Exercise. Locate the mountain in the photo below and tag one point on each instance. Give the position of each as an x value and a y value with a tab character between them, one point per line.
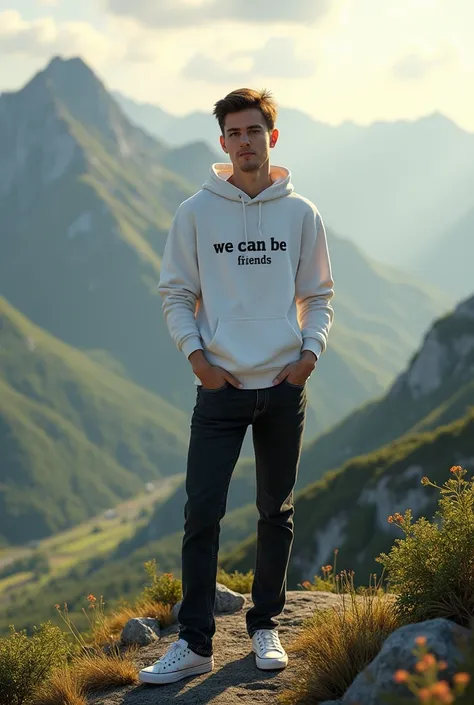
86	201
75	436
371	464
447	262
392	187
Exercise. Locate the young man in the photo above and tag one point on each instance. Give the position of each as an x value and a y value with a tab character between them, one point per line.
247	286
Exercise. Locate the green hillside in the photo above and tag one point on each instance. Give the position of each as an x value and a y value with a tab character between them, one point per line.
436	388
348	508
75	437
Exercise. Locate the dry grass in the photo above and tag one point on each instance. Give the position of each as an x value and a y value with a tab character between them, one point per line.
61	689
100	672
86	674
108	630
336	645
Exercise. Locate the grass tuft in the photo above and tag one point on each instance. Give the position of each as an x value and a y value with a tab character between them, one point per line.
101	672
61	689
337	644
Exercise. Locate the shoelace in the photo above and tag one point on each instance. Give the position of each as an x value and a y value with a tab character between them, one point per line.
177	646
270	640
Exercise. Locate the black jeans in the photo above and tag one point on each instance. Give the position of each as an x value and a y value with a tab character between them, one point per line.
219	423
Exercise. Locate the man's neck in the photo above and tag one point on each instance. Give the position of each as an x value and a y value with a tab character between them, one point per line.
252	182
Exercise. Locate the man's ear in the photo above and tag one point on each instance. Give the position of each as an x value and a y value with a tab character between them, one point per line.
274	135
222	141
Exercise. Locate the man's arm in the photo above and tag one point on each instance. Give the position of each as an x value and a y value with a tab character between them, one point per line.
179	285
314	285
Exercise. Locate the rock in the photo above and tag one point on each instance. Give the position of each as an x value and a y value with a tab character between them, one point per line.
227	602
140	631
396	653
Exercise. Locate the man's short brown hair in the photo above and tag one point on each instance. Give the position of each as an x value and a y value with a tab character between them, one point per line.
247	99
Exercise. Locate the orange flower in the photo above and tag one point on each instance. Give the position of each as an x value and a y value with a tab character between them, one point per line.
455	469
400	676
390	519
420	641
424	695
461	679
430	660
442	665
306	584
397	516
91	598
442	691
425	480
57	607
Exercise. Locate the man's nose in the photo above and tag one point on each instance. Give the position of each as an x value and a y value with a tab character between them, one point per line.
244	138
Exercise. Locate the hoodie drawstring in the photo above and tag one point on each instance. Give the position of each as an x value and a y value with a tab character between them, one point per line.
259	227
245	221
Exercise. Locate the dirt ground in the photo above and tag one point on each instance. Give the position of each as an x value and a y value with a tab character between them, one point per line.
235	678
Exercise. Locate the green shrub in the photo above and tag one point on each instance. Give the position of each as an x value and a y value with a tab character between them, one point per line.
238	582
164	588
26	662
431	570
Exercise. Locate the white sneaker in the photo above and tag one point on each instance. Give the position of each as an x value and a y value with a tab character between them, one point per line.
178	662
269	653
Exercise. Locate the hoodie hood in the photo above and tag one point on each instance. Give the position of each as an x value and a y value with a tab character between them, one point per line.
219	184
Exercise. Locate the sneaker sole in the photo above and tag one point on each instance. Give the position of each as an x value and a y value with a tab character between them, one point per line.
271	664
174	676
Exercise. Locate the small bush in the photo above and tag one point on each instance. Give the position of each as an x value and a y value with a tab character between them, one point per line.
239	582
335	645
164	588
26	662
432	569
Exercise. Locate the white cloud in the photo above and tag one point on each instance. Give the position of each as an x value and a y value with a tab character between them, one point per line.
188	13
420	62
43	36
279	57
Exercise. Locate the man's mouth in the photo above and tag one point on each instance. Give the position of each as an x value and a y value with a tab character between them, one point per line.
247	154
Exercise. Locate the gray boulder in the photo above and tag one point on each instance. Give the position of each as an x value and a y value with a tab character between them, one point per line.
140	631
443	640
227	602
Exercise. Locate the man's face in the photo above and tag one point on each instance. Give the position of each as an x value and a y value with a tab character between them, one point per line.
247	140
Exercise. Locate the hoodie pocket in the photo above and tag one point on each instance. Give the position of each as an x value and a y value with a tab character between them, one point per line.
244	344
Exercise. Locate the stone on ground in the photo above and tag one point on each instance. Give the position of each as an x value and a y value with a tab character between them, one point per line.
140	631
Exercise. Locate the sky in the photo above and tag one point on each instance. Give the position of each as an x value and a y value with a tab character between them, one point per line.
337	60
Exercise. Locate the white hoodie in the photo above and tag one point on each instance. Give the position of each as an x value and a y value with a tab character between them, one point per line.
247	280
